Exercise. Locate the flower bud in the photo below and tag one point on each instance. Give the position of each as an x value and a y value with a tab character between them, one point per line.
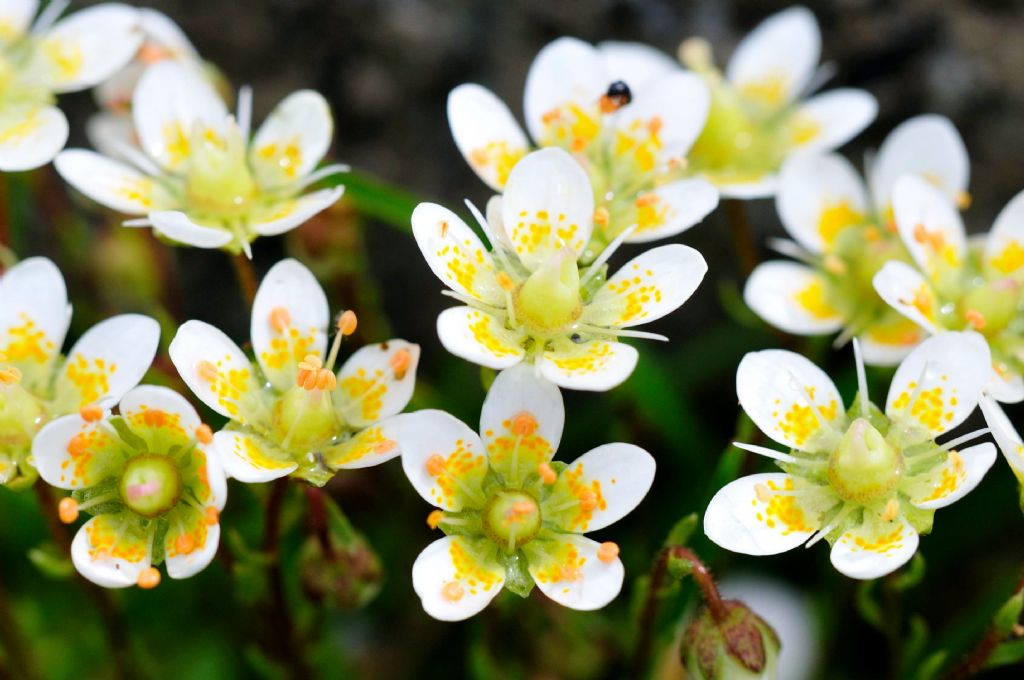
741	646
347	578
549	301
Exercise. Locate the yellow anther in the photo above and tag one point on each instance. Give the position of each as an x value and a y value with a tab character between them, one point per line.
67	510
207	371
608	552
434	519
90	413
453	591
9	375
975	319
601	216
280	319
763	493
435	465
547	473
204	434
524	424
506	282
400	362
892	509
347	322
211	516
963	200
312	375
149	578
185	543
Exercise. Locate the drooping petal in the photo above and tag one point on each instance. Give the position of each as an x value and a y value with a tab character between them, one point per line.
793	297
875	548
595	365
479	337
568	569
215	369
287	215
34	318
765	514
190	544
790	399
954	479
929	225
827	121
775	62
71	453
179	227
818	197
521	422
1005	434
634	63
565	79
443	458
548	205
938	385
454	253
110	359
251	459
160	416
1004	246
88	46
292	140
663	121
111	183
909	293
928	146
599	488
672	209
31	136
373	445
111	551
172	103
289	321
377	382
486	133
647	287
456	577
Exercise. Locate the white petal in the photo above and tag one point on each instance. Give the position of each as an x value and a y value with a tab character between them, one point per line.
198	343
634	63
455	254
289	321
619	475
16	17
111	183
160	29
790	399
444	460
377	382
178	227
88	46
287	215
479	337
889	340
486	133
1005	434
372	446
70	453
215	475
676	103
738	519
1005	387
548	205
673	208
596	365
761	187
573	575
647	287
792	297
565	71
874	550
818	196
250	459
928	146
180	566
34	316
31	137
92	557
955	478
169	104
909	293
452	583
939	384
776	60
929	225
292	140
154	398
109	133
827	121
1004	247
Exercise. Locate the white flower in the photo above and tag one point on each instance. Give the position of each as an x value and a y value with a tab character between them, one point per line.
513	517
527	299
40	61
151	479
202	181
845	233
866	481
760	110
289	413
36	383
628	115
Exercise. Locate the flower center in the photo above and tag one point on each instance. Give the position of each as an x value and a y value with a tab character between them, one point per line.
219	182
864	467
991	308
511	518
549	301
151	485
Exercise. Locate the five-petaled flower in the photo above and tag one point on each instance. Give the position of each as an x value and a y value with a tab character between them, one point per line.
36	383
289	413
844	233
627	114
868	482
758	116
199	179
149	477
40	61
528	299
512	516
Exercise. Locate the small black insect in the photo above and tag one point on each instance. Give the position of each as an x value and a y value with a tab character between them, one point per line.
618	94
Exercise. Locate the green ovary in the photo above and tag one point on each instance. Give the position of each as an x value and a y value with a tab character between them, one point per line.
511	518
219	183
548	302
864	467
305	420
150	485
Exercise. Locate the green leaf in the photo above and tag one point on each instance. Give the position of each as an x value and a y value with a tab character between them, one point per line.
932	665
682	530
376	199
48	560
1009	614
867	605
1006	654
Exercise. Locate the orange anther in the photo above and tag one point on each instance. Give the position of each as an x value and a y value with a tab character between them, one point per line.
435	465
892	508
547	473
443	224
207	371
601	216
588	501
211	515
505	281
311	362
963	200
149	578
453	591
920	233
325	380
280	319
524	424
9	375
654	125
150	53
185	543
204	434
975	319
647	199
890	226
400	362
67	509
347	322
384	446
477	158
608	552
677	163
834	265
434	519
578	144
91	413
607	104
551	116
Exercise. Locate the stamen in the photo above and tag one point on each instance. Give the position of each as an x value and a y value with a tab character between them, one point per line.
892	509
601	216
605	254
524	424
67	510
608	552
862	381
244	111
347	322
434	519
90	413
547	473
588	501
400	362
963	200
204	434
207	371
975	319
211	516
312	375
778	455
280	319
435	465
827	529
9	375
453	591
149	578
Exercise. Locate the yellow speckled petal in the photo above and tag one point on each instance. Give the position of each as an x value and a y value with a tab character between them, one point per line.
292	140
954	479
597	365
111	550
443	458
479	337
252	459
34	317
875	548
486	133
160	416
793	297
456	577
374	445
1004	246
88	46
567	569
111	183
455	254
73	454
930	226
376	382
191	541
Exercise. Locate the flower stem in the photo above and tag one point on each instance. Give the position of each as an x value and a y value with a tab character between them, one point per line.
742	235
318	523
974	662
246	277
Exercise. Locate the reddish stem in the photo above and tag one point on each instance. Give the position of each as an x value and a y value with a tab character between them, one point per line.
976	659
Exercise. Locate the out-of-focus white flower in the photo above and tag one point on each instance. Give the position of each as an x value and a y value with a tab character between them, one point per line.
866	481
200	179
527	299
512	516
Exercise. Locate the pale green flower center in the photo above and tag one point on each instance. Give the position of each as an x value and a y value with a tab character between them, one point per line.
511	518
151	485
864	467
218	180
305	420
548	302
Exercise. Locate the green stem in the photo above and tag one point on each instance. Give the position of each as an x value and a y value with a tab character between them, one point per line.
974	662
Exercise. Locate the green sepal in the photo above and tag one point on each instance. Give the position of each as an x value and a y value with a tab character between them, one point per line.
128	438
1006	654
107	487
682	530
919	518
1009	614
517	573
159	538
473	528
313	470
